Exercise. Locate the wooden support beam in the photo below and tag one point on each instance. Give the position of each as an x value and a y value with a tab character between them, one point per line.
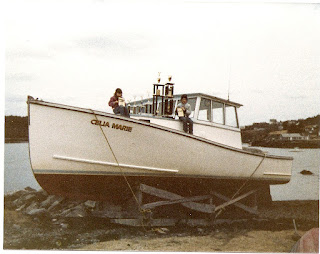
174	222
151	223
175	201
238	204
232	201
201	207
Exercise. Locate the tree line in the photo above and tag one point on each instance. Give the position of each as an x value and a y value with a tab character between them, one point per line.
16	129
260	131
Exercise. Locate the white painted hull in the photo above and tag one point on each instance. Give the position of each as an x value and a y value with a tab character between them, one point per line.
65	140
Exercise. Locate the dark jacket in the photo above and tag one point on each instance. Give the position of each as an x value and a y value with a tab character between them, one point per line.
112	102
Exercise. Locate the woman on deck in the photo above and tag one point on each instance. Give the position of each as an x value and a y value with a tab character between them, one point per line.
117	103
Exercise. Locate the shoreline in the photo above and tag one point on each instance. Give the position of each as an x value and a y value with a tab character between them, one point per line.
307	144
16	141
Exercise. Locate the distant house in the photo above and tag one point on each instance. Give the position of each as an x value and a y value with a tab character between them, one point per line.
311	129
276	135
273	121
293	136
284	135
259	129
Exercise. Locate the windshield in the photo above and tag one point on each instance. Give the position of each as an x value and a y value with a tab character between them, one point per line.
217	112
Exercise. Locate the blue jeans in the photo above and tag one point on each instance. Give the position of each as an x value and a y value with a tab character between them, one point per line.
187	124
121	110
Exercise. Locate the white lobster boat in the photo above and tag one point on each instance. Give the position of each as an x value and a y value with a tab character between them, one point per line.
89	154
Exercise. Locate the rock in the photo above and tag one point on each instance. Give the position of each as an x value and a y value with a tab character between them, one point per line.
65	212
47	202
306	172
37	212
43	192
200	230
29	197
21	208
64	225
77	212
15	226
26	196
56	204
30	189
13	196
90	204
159	230
18	202
71	204
31	207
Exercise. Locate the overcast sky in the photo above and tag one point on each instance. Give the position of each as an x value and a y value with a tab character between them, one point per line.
78	52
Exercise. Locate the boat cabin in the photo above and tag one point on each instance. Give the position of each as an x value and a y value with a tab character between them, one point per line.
214	118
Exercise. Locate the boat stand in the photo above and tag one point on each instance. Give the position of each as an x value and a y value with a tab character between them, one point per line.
145	216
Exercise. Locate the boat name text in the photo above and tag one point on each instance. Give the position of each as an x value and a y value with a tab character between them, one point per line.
112	125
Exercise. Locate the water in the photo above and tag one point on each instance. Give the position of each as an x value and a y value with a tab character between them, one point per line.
300	187
18	173
17	169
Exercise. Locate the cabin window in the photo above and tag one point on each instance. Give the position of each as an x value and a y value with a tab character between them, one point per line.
192	102
231	116
205	110
217	112
148	108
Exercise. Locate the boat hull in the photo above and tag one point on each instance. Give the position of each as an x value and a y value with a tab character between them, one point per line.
117	189
88	154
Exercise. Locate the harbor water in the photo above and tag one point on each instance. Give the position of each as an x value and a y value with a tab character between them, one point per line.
18	173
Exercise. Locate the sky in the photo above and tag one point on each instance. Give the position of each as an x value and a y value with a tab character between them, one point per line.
264	55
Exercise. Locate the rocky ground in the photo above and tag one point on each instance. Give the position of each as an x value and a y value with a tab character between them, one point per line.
35	220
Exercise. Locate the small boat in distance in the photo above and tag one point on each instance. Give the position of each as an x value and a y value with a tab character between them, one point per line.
296	149
85	154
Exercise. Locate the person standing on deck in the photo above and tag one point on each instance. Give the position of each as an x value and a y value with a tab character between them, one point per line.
184	110
117	103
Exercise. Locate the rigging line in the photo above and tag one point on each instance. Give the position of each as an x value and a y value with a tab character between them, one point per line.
265	155
237	192
229	81
135	197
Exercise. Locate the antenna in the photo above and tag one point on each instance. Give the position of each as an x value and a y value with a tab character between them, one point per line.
229	80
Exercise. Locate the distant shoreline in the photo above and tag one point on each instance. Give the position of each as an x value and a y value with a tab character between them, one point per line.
15	140
288	144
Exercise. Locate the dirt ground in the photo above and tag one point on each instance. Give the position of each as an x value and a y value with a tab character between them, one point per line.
274	233
216	241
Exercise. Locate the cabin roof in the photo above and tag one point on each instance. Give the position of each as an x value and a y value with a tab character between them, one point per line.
190	95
